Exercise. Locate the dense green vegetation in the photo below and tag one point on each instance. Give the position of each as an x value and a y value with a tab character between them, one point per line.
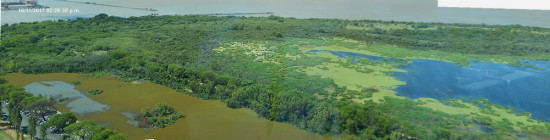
89	130
76	83
60	121
38	107
461	38
95	92
177	51
160	116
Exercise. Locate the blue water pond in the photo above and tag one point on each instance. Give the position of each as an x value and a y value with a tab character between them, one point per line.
526	89
348	54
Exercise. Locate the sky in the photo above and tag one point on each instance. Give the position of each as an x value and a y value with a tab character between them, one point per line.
497	4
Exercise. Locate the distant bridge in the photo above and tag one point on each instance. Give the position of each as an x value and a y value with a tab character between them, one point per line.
18	4
93	3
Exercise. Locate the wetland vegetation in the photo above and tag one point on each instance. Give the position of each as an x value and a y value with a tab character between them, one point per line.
95	92
160	116
264	64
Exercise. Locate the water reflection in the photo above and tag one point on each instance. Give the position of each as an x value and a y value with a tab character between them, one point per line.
77	101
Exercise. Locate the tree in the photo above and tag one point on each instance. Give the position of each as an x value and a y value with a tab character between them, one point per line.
41	108
32	126
88	130
118	136
16	97
118	54
15	119
108	134
103	135
2	81
43	128
209	76
28	101
60	121
101	16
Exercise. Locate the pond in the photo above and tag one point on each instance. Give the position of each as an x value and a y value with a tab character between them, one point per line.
523	88
348	54
204	119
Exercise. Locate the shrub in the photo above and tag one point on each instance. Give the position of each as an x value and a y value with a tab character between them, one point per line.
95	91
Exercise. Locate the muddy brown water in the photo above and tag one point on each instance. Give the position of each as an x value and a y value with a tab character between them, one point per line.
204	119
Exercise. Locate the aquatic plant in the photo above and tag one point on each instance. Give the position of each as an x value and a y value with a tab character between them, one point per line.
160	116
95	92
75	82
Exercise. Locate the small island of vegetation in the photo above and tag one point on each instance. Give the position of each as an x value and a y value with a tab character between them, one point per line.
160	116
75	82
95	91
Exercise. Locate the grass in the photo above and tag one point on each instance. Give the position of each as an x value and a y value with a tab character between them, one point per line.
355	80
5	136
474	111
258	50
